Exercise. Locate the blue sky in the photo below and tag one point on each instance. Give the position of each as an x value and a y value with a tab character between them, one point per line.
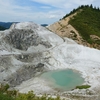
39	11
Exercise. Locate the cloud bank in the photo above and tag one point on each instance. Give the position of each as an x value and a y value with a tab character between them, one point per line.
39	11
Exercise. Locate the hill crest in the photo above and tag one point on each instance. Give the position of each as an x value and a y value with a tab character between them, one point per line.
81	25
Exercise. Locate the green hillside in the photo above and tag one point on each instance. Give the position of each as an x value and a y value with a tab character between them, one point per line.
86	22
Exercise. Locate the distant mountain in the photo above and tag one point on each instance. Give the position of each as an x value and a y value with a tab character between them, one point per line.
44	25
2	28
81	24
6	24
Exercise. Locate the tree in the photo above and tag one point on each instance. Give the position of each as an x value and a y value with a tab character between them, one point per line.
91	6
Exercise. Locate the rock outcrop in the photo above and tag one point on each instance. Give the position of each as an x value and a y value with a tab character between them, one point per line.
22	50
27	50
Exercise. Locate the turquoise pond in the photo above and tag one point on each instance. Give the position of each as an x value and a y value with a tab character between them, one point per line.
63	79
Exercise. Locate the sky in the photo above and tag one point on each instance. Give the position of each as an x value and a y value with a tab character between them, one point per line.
39	11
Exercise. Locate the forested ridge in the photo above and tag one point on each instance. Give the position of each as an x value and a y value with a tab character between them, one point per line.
86	22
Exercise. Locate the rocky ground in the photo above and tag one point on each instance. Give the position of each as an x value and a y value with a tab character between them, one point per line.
27	50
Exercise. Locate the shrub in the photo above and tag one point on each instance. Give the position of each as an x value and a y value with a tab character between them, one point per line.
83	87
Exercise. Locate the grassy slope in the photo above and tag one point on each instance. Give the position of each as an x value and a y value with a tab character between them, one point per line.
86	22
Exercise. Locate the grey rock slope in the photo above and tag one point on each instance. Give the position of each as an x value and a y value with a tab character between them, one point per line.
27	50
21	51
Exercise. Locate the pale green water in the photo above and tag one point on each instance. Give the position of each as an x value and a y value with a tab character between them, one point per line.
63	79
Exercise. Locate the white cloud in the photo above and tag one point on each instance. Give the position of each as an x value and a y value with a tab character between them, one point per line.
45	7
62	3
10	11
